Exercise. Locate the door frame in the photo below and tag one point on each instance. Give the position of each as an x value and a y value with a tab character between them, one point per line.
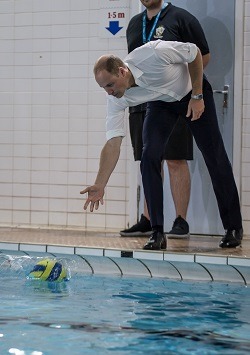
238	92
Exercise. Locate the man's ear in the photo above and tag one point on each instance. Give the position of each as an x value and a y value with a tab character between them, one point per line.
123	71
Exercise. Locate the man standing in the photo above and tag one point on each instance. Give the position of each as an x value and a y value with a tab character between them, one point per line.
169	76
170	23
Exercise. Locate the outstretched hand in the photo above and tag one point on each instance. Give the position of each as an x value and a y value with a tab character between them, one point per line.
95	196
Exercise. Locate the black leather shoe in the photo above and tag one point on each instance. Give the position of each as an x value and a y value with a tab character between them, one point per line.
232	238
157	241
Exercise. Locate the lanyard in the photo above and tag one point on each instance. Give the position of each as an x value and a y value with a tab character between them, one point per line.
144	19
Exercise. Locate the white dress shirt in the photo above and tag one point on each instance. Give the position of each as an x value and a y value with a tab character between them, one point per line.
160	70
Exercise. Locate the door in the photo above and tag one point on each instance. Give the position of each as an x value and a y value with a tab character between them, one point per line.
217	20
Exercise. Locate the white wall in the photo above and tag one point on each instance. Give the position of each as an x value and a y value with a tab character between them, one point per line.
52	117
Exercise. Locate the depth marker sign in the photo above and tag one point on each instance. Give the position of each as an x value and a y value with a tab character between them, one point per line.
113	18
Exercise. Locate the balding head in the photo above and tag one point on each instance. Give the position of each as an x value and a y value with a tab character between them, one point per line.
113	75
110	63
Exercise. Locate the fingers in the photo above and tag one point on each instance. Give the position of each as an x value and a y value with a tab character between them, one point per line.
85	206
194	113
84	191
188	111
195	109
93	205
88	201
196	116
94	199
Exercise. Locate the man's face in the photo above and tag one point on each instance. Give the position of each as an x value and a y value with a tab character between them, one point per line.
114	85
151	4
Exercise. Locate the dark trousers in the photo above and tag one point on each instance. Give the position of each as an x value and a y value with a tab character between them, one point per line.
160	120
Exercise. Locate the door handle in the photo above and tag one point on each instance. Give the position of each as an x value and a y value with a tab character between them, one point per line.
225	93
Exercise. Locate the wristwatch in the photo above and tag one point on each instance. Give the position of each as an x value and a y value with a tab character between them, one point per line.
197	97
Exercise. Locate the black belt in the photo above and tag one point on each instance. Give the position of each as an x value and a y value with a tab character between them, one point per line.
138	108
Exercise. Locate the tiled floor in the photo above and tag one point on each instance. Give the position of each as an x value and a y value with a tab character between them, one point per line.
76	238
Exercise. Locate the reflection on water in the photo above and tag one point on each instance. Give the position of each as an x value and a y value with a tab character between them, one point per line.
42	287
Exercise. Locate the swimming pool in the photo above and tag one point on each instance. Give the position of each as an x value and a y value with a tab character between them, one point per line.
93	314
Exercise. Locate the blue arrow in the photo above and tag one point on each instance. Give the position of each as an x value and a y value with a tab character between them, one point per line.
114	27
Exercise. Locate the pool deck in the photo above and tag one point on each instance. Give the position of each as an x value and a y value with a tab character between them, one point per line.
198	258
21	238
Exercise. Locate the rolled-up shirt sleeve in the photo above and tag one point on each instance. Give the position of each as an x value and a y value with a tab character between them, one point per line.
115	125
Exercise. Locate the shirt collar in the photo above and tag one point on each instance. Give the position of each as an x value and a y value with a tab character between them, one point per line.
164	11
136	72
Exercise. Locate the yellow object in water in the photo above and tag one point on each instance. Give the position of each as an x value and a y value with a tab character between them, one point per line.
48	270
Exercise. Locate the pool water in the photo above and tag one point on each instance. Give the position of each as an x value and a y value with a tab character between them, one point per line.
91	314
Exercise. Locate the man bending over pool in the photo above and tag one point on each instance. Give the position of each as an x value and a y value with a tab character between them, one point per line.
169	76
